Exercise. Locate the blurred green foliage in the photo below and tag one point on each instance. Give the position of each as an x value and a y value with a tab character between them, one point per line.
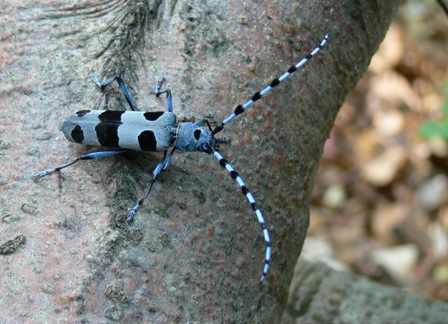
438	128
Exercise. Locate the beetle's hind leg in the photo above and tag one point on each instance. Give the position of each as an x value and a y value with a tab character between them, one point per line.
121	83
159	91
88	156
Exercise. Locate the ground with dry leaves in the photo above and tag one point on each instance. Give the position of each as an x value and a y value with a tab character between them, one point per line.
380	204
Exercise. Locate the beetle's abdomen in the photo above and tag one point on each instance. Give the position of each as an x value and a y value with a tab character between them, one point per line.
135	130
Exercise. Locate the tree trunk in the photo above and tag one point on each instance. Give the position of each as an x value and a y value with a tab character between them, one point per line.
321	295
195	250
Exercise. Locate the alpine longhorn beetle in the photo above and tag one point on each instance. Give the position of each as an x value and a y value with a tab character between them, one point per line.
159	131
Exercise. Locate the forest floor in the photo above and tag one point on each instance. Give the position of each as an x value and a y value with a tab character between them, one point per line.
380	203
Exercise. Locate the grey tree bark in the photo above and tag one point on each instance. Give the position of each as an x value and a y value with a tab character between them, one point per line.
319	294
195	250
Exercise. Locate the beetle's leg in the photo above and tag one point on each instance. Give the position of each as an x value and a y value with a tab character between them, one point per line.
159	91
123	87
162	166
89	156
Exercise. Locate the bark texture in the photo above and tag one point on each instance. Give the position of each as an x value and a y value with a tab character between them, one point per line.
321	295
195	250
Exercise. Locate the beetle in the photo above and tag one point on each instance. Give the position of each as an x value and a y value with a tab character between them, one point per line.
160	131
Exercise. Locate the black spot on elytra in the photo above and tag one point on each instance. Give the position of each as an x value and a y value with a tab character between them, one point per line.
107	128
77	134
111	116
147	141
153	115
82	113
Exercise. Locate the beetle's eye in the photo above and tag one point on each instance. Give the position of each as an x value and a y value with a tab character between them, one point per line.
197	134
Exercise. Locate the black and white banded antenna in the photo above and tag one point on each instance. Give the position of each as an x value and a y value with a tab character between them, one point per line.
258	95
250	198
234	175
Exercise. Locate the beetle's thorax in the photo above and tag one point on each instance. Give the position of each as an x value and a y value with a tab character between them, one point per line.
192	137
